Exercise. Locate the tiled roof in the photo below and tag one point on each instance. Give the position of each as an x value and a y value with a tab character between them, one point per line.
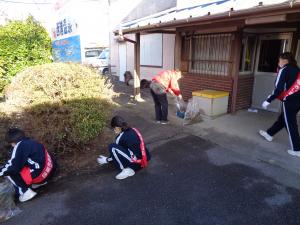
214	8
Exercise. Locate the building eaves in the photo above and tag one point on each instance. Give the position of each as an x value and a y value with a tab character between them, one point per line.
222	9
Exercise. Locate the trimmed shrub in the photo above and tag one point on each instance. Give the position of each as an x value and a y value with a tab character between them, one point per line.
3	80
63	105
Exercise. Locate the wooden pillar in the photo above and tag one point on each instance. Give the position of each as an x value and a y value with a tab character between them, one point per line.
296	37
236	55
177	51
137	66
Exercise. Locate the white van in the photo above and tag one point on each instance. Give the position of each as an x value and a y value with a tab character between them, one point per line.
90	55
102	61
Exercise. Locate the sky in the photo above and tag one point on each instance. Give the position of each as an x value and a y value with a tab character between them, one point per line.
90	15
42	10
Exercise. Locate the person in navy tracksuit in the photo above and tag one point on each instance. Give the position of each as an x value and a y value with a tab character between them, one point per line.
126	153
287	88
30	165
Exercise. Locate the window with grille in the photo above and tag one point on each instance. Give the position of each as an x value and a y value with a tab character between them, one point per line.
210	54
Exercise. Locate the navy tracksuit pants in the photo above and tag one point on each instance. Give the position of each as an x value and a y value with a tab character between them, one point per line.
288	119
121	157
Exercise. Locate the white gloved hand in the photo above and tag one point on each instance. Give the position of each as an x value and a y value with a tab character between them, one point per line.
265	104
102	159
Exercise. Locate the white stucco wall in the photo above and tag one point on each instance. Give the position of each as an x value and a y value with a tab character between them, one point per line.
168	58
118	11
146	72
114	55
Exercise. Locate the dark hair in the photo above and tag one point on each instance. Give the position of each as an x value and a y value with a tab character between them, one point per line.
289	57
14	135
145	83
118	121
127	76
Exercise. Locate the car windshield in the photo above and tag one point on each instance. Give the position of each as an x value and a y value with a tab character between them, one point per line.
92	53
104	54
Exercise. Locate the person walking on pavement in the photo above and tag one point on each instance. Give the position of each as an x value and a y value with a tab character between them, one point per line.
30	165
166	81
287	89
129	153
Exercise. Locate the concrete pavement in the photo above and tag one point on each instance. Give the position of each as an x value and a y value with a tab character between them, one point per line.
191	179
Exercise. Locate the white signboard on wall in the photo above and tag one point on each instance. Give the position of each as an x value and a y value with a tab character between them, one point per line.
151	50
64	28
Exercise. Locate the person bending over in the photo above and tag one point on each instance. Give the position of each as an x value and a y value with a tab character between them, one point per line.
129	152
166	81
30	165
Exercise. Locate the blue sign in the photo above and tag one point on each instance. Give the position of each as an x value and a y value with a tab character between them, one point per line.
67	49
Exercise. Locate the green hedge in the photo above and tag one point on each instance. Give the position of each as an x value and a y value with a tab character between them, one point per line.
22	44
3	80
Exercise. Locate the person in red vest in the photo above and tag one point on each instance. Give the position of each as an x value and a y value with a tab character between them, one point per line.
166	81
287	90
30	165
129	153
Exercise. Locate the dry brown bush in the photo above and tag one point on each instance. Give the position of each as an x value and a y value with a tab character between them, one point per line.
62	105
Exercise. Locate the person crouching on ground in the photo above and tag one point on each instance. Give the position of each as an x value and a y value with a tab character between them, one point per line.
30	165
287	90
129	152
162	83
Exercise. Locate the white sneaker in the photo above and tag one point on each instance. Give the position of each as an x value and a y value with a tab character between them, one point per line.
265	135
127	172
35	186
294	153
29	194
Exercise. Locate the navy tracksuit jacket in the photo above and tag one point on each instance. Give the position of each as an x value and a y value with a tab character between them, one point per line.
26	153
127	145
